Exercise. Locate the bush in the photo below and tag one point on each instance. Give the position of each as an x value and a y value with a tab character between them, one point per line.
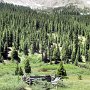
79	77
61	71
18	71
27	66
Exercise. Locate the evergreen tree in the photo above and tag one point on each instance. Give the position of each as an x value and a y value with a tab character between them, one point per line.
6	51
86	55
89	55
76	61
45	57
27	67
75	41
1	58
14	55
73	56
37	47
56	55
65	53
78	56
33	47
17	40
61	71
26	49
88	42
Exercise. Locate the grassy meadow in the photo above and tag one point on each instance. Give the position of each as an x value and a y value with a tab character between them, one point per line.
38	40
8	80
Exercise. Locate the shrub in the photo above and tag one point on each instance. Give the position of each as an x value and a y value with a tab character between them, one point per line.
79	77
61	71
27	66
18	71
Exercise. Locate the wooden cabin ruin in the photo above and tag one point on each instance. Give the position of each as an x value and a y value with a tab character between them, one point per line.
31	79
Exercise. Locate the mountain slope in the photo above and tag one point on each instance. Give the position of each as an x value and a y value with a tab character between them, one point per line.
1	1
48	3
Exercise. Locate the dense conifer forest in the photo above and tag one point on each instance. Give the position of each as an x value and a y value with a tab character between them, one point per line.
57	34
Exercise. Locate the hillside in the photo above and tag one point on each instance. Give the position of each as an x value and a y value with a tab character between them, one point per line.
43	4
53	42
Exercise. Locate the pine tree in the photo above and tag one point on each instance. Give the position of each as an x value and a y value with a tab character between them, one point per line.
5	50
56	55
14	55
17	40
27	67
45	57
86	55
88	42
65	53
26	49
73	56
89	55
42	51
33	47
78	57
76	61
37	47
1	58
61	71
75	41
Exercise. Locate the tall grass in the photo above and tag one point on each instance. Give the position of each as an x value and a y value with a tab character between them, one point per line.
8	81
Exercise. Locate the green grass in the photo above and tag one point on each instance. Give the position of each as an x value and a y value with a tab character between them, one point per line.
73	83
8	80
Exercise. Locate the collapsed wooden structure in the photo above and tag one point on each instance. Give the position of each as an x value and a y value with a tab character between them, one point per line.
31	79
47	78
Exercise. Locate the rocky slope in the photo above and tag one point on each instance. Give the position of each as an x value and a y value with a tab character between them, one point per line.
43	4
